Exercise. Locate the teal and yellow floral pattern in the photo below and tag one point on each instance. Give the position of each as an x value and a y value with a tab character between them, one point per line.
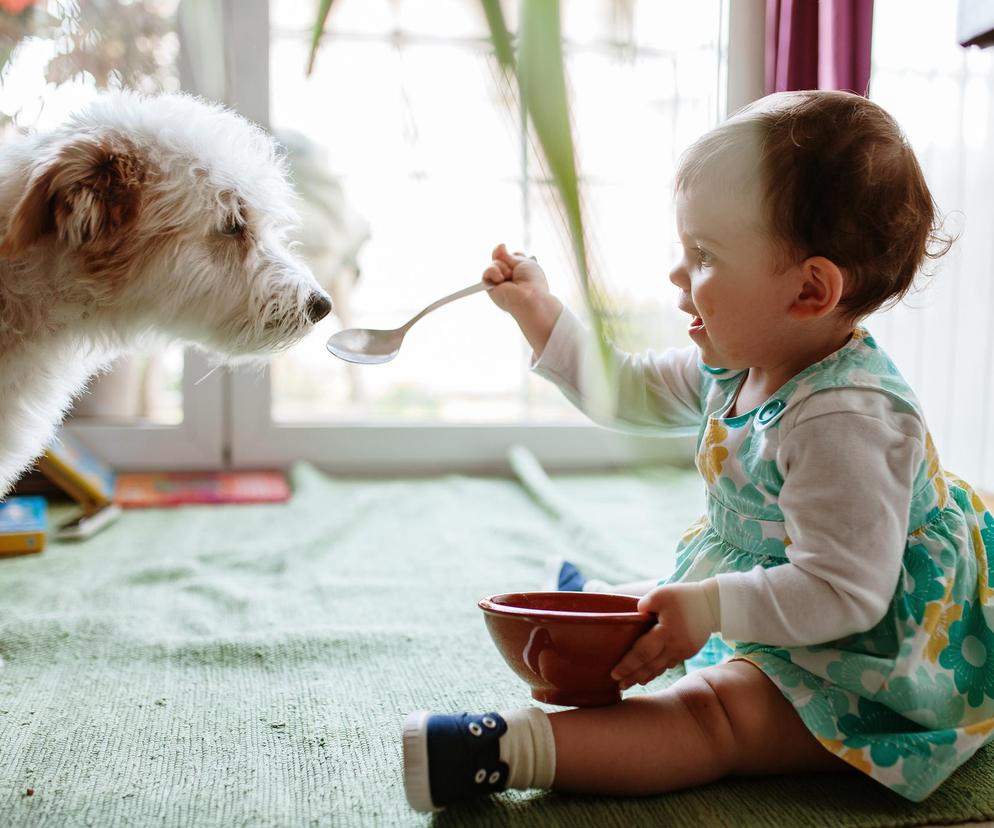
712	453
970	655
922	581
910	700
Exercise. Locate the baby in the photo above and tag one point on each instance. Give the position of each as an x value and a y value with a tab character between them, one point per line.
846	567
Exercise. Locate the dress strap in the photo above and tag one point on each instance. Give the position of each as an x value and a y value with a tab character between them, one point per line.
858	364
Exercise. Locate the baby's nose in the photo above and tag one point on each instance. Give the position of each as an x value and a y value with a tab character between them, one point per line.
678	276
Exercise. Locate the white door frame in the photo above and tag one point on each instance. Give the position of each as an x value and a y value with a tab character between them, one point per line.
353	448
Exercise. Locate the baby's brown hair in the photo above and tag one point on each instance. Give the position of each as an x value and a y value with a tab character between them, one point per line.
839	180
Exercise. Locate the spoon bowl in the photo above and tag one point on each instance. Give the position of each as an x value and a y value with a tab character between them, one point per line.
366	346
369	346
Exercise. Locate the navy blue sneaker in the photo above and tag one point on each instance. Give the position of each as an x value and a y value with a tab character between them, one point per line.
449	759
562	576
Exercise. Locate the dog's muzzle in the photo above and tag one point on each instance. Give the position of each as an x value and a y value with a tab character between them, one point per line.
318	306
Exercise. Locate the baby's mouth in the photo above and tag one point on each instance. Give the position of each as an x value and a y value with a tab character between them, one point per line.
696	324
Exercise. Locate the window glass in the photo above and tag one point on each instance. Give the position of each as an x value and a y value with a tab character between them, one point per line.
422	157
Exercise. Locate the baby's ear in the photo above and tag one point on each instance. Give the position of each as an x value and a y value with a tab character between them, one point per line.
820	287
87	191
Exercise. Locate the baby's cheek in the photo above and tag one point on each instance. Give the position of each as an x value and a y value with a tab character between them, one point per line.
705	306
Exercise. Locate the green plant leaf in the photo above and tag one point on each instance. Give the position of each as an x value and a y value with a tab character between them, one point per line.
319	25
499	35
542	81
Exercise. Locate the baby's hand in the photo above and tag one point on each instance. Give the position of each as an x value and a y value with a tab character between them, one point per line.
685	623
521	283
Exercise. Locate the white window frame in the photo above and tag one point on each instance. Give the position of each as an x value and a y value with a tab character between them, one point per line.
195	443
254	440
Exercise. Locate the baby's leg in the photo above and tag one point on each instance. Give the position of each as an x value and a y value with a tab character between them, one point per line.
724	720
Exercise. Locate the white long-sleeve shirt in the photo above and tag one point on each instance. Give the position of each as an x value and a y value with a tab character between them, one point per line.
849	458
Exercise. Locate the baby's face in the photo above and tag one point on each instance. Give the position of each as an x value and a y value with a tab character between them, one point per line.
728	279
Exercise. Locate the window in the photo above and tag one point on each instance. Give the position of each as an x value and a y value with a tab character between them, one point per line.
414	128
406	116
416	153
941	338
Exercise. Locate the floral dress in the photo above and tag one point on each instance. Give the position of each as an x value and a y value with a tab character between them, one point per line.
910	700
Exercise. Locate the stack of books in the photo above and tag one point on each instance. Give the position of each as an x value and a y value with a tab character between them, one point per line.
86	479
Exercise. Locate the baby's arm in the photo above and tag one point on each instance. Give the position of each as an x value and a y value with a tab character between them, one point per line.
654	390
849	464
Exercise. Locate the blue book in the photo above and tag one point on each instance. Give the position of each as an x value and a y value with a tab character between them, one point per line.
23	525
78	472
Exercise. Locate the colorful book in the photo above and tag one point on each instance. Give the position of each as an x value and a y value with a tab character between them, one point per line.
136	490
23	525
78	472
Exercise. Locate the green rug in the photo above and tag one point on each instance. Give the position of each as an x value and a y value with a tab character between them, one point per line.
251	665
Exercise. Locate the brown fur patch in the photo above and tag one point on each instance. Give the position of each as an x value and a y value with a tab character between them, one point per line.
105	266
32	218
89	192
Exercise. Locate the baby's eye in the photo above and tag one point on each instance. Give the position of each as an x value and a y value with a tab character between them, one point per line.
704	259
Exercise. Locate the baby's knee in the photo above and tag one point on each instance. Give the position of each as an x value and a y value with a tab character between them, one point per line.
701	696
751	708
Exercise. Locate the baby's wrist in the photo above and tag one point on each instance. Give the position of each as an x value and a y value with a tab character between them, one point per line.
703	607
534	306
537	318
713	598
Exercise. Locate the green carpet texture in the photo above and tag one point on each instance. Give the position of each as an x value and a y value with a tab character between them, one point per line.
251	665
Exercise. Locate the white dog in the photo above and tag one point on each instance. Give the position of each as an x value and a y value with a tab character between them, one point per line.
142	215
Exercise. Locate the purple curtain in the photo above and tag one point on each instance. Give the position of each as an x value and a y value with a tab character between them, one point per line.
818	44
975	23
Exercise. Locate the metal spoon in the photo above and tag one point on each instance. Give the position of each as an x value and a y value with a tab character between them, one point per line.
367	346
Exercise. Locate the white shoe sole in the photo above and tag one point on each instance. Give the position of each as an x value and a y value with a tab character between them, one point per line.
416	783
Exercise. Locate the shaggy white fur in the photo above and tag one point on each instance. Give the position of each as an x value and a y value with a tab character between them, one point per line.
140	217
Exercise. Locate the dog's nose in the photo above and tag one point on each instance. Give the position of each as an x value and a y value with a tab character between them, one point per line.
318	307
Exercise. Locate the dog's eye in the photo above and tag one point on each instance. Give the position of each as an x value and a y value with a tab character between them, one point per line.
233	228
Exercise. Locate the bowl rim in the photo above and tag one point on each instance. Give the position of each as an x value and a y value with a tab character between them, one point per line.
488	606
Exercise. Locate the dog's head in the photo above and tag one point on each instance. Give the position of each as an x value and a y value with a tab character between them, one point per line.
168	213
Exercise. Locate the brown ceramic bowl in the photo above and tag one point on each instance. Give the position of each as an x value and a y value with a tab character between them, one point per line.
564	644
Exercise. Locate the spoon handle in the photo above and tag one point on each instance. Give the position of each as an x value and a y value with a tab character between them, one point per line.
459	294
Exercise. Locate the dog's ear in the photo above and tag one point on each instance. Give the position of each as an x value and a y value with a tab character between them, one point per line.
86	194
